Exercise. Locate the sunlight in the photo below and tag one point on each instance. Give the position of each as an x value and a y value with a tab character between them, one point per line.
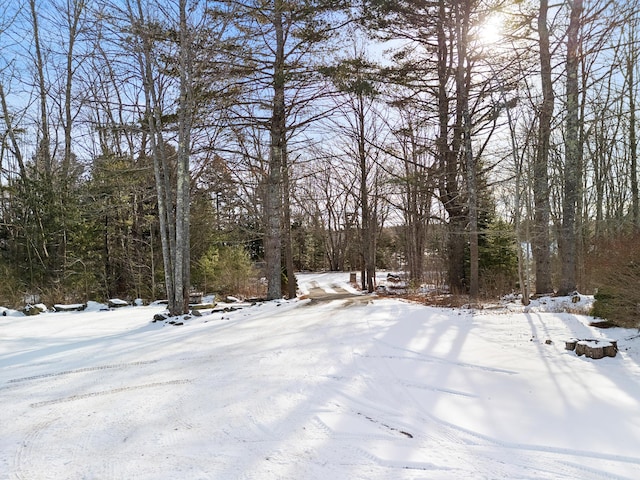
490	32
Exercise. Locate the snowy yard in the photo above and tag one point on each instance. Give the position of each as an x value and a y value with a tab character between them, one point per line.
307	389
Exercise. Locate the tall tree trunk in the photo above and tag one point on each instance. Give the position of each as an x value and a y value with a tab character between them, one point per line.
11	134
153	115
417	204
44	148
448	162
541	241
462	90
368	233
42	242
472	192
273	200
286	230
631	62
523	269
74	14
567	243
181	272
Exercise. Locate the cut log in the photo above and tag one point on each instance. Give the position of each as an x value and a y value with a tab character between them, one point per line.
117	303
76	307
595	351
202	306
581	348
611	349
593	348
33	310
195	297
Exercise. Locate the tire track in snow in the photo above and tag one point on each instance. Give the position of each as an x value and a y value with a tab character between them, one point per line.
538	459
361	427
177	421
25	450
356	426
79	370
421	357
433	431
399	465
578	467
74	398
422	386
544	462
394	388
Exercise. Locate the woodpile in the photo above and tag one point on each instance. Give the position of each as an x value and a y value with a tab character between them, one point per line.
117	303
77	307
593	348
195	298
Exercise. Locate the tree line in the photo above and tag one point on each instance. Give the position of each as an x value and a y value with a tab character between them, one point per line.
147	143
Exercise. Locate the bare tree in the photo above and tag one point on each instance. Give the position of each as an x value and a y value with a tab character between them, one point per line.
416	180
186	107
172	175
630	64
44	147
573	155
327	195
285	45
360	126
277	160
541	238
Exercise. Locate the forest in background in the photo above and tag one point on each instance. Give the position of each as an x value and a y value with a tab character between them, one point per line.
151	147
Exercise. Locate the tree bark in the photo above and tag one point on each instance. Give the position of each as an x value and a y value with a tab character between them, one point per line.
573	147
462	90
472	190
541	241
368	233
448	162
286	230
166	216
182	277
44	147
273	200
10	132
417	197
74	15
631	62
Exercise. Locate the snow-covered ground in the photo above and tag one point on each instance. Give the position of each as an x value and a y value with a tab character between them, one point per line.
341	389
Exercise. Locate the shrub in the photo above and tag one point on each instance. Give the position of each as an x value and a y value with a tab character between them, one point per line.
224	270
615	268
10	291
498	259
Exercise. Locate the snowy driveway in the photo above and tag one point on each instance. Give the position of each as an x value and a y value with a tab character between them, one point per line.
332	389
